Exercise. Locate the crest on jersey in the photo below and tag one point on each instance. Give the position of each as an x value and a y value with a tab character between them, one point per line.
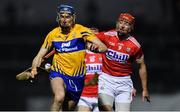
74	35
100	59
120	45
58	36
92	58
111	43
128	49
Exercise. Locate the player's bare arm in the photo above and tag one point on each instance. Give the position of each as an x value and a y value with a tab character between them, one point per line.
134	92
143	77
37	61
96	45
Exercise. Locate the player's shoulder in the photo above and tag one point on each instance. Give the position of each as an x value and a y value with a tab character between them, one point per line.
56	29
81	27
82	30
134	41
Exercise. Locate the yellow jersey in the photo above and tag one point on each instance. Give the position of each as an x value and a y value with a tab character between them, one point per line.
70	56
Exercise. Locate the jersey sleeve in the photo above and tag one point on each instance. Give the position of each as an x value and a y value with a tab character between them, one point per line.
87	34
101	36
138	53
139	56
48	41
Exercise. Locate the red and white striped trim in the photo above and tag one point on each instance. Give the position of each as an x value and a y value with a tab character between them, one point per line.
132	39
111	33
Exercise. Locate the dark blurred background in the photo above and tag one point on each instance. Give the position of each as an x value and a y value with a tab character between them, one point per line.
24	25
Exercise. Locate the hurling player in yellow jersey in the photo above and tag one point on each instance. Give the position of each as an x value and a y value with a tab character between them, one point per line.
68	66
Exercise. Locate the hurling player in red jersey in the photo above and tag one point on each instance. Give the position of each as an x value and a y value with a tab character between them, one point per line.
115	85
89	98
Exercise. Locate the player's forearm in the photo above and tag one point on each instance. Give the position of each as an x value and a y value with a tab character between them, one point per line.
101	46
36	62
143	77
144	82
38	59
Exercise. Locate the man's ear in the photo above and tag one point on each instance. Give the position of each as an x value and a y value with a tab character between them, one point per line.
57	18
74	18
132	27
117	25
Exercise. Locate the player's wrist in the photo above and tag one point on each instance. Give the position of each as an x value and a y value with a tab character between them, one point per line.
34	69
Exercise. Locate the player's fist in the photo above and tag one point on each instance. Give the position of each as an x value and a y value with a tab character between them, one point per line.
92	47
33	72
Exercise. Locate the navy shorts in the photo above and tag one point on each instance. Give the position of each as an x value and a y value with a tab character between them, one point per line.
74	84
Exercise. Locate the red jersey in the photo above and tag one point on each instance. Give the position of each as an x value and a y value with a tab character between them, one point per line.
93	65
117	61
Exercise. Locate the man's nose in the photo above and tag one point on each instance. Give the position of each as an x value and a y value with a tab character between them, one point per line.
122	27
64	20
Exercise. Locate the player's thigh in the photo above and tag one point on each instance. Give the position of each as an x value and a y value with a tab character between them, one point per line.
95	108
122	107
57	85
69	105
84	104
83	108
123	101
106	85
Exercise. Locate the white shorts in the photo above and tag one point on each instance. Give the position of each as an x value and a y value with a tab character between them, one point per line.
91	102
120	88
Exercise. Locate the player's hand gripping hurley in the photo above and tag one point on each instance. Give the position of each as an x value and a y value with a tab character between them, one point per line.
25	75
